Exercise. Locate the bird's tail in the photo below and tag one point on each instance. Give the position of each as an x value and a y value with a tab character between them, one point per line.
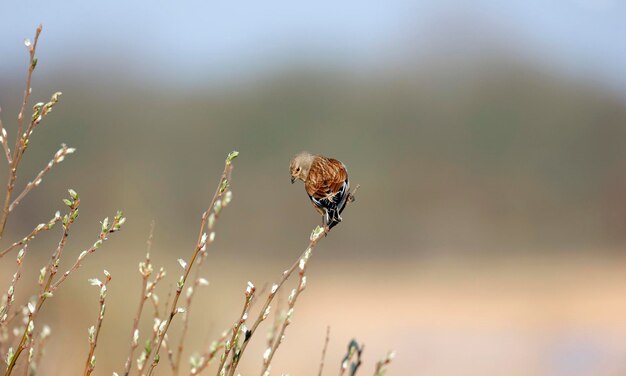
332	218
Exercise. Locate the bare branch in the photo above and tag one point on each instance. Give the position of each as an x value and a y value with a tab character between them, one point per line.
59	156
40	228
324	350
94	331
209	217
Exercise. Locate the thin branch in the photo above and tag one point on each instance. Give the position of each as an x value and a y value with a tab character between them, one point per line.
212	350
31	67
118	221
381	365
293	297
232	344
40	228
191	290
324	350
4	311
214	209
20	125
301	263
49	287
39	350
48	271
94	332
145	269
314	239
5	143
59	156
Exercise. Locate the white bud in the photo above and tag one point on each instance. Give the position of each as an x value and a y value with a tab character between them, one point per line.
162	326
45	331
182	263
135	337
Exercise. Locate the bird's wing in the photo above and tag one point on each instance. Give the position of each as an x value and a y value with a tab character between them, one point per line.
327	177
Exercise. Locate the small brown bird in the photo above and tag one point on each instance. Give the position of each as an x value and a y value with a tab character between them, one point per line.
326	183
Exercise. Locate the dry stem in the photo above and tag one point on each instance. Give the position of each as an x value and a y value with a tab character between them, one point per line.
93	337
145	269
324	350
40	228
48	288
18	138
293	297
201	245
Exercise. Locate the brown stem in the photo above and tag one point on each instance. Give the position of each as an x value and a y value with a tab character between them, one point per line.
302	263
142	300
30	236
262	315
89	364
324	350
18	138
200	244
234	339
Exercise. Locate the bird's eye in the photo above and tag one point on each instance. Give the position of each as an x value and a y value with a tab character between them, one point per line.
298	169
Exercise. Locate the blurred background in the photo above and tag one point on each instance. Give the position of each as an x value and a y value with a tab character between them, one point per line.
488	137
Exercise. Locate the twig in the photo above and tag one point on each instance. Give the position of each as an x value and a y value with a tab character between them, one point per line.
278	317
191	290
233	343
4	311
324	350
49	271
291	301
49	287
265	310
199	364
59	156
214	208
145	269
40	227
37	351
118	221
94	332
20	125
382	364
314	239
5	144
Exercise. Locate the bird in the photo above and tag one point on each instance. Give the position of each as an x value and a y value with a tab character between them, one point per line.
326	182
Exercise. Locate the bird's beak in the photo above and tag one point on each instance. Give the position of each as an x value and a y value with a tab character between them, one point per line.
293	179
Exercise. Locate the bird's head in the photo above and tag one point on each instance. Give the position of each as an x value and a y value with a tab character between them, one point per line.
300	166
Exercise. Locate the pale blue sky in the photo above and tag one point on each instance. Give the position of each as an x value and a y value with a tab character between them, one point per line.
180	41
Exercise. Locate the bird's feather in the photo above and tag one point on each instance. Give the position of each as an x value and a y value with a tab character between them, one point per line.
326	177
327	186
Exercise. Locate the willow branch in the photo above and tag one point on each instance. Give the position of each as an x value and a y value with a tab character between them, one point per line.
213	209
